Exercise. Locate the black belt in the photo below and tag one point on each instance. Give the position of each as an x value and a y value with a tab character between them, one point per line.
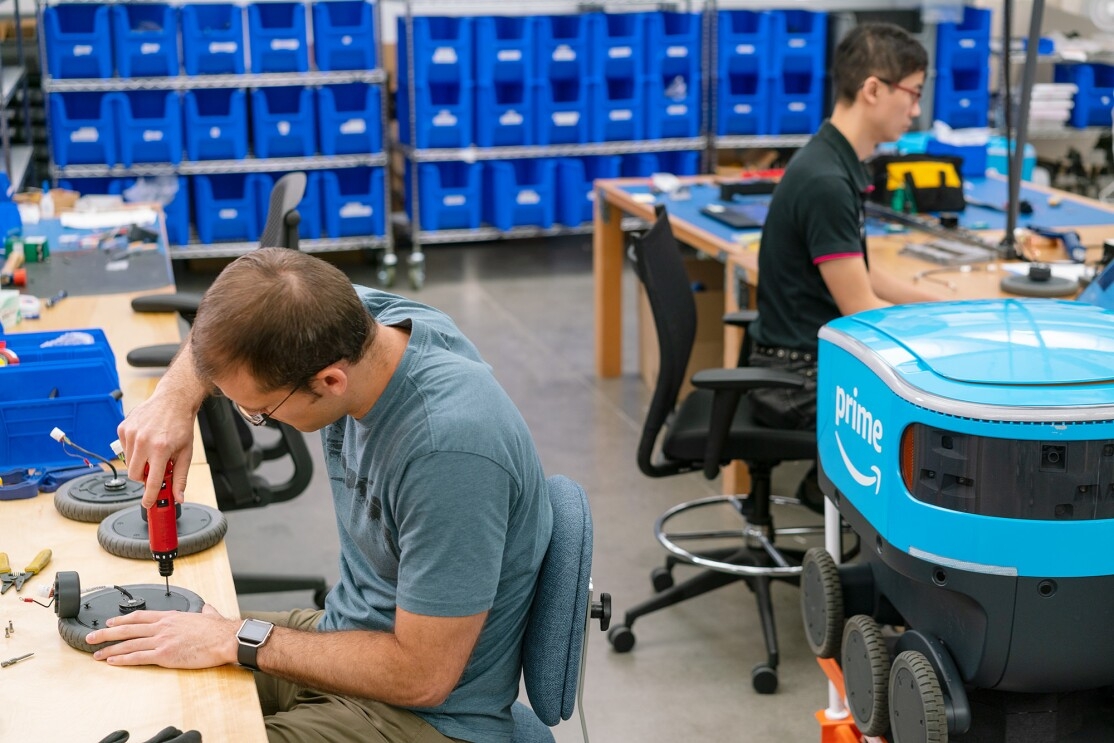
789	354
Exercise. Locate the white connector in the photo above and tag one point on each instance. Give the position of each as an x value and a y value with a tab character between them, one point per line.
58	435
117	448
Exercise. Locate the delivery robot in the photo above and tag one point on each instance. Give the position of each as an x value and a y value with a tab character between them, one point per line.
970	446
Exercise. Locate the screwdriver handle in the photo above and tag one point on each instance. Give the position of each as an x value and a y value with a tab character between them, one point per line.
41	561
4	567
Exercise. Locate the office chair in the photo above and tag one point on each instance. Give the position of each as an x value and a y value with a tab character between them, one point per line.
231	449
711	427
555	643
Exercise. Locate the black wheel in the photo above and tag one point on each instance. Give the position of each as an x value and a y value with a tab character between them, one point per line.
621	638
917	711
124	533
866	674
662	579
764	679
91	498
821	603
67	594
99	606
319	597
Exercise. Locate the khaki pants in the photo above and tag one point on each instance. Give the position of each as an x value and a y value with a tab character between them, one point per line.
296	714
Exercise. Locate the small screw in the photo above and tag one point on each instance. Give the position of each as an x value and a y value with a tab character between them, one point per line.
13	661
94	622
7	633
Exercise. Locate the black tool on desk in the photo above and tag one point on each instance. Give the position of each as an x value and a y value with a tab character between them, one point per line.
739	216
1023	206
728	190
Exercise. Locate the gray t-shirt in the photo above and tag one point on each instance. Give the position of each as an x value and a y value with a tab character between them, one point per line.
442	510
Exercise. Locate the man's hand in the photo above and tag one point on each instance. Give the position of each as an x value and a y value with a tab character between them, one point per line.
171	639
157	430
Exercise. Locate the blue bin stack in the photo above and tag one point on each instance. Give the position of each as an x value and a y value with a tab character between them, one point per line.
745	51
575	194
673	101
83	128
353	202
213	39
449	197
277	35
1095	97
150	127
618	76
520	193
227	206
78	41
800	40
349	119
344	35
963	70
505	77
443	82
563	85
146	40
283	122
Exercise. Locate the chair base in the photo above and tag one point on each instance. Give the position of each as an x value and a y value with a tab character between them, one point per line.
257	583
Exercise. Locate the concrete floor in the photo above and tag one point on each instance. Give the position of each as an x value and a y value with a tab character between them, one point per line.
528	307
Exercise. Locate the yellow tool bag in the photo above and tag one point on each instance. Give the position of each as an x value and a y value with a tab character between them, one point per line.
918	183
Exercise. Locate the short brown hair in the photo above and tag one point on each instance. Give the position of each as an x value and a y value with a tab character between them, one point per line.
880	49
283	316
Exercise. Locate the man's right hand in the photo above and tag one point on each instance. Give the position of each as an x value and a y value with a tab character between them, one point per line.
156	431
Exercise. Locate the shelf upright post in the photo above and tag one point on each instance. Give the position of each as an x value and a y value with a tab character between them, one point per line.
709	84
389	257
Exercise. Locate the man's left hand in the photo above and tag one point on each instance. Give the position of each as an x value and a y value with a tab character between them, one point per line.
172	639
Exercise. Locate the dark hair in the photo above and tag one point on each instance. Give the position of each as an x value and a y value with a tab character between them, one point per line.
880	49
283	316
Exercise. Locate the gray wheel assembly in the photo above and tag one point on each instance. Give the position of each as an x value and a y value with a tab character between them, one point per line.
917	711
821	603
866	674
124	533
93	497
79	615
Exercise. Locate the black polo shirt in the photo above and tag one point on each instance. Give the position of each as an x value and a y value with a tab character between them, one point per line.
816	214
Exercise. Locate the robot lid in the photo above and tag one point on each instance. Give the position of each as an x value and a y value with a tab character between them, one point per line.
1024	358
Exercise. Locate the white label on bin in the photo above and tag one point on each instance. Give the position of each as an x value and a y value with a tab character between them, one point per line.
82	50
85	134
619	52
355	209
742	108
797	107
444	55
624	114
353	126
152	135
285	45
283	128
346	40
677	51
677	109
214	132
964	102
967	43
564	53
444	118
744	49
797	43
509	55
566	118
223	47
149	48
453	200
228	214
510	118
528	196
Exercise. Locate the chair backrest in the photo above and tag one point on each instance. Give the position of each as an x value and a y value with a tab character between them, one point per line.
286	194
552	649
661	269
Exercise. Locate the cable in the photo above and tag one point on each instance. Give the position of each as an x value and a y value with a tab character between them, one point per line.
60	436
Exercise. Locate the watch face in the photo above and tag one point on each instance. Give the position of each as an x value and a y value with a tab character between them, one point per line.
254	631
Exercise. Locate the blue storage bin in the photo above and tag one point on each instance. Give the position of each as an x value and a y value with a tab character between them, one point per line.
576	195
309	208
443	115
83	128
520	193
150	127
673	106
72	370
502	49
974	156
957	105
344	35
745	39
618	45
686	162
442	50
618	109
800	42
146	40
216	123
964	45
743	103
88	419
451	195
561	111
349	119
277	35
227	206
98	186
282	122
1095	96
504	114
563	47
213	39
797	114
78	41
638	165
353	202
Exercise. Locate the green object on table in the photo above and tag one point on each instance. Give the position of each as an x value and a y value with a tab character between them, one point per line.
36	248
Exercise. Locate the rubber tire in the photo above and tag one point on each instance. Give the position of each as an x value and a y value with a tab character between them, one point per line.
915	688
67	594
92	512
621	638
73	631
866	674
140	549
822	603
661	579
763	679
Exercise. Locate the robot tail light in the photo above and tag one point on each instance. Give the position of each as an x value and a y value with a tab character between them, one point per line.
908	452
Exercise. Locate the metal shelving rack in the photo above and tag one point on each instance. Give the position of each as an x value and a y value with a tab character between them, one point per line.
251	164
17	158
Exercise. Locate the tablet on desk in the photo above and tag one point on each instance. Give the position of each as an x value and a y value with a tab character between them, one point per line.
739	216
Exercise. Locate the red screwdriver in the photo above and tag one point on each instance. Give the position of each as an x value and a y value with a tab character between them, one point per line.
162	525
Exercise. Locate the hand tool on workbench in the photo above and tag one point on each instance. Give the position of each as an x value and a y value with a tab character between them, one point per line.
18	579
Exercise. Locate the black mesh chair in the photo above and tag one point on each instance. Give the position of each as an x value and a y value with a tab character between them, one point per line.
709	428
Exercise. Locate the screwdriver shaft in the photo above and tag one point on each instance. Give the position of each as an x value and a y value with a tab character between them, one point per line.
13	661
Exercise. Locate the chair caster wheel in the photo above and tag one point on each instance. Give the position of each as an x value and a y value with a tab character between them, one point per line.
764	679
621	638
662	579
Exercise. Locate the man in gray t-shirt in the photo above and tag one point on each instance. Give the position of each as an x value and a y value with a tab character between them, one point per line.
439	496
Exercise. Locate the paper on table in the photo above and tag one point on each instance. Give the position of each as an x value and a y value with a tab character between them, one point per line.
1070	271
105	220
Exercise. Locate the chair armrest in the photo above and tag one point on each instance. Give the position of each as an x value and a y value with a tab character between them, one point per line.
183	302
151	356
740	319
747	378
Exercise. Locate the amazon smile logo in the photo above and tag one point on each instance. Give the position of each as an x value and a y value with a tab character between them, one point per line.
850	413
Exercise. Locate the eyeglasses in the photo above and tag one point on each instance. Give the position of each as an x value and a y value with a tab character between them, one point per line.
260	419
911	91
